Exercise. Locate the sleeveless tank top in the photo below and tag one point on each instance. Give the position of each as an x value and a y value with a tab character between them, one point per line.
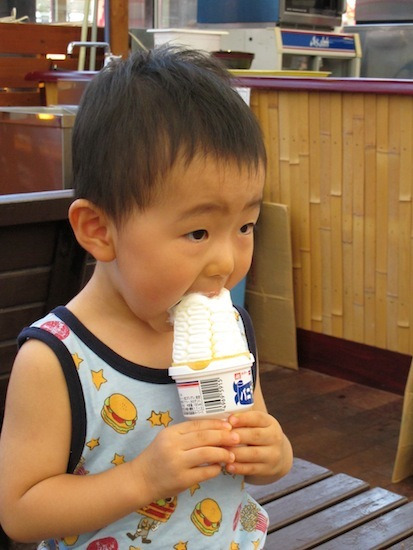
117	409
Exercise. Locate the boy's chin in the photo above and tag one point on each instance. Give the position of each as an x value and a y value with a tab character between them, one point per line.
161	323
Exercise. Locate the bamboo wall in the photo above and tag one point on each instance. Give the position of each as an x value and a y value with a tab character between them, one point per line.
343	164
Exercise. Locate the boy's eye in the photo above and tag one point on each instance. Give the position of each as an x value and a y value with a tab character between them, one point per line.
198	235
247	228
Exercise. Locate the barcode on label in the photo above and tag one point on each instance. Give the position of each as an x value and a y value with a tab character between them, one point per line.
213	395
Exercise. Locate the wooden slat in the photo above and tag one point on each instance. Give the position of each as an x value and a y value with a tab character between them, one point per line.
404	321
329	523
40	39
336	192
4	381
301	264
67	274
312	499
24	99
314	287
302	473
8	349
35	245
14	319
371	221
396	222
325	211
378	533
405	544
34	207
26	285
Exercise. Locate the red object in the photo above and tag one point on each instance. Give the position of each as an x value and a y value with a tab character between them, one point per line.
108	543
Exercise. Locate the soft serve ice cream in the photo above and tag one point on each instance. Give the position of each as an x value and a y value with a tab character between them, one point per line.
211	363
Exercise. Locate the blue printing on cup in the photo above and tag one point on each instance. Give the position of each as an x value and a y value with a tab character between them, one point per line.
243	393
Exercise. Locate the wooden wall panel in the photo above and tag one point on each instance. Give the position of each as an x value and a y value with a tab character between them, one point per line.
343	163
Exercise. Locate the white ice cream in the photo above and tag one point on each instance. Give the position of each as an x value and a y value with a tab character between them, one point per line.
205	330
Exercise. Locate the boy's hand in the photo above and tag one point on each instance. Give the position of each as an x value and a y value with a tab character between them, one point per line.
183	455
263	451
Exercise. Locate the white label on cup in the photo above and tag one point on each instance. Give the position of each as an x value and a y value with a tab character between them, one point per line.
200	397
231	391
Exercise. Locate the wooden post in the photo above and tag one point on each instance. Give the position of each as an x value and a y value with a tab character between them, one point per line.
119	27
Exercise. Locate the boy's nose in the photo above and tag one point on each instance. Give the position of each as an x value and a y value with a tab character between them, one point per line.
221	263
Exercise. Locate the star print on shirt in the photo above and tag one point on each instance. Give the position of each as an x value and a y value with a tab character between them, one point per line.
181	546
194	488
118	459
77	360
93	443
166	418
160	418
234	546
97	378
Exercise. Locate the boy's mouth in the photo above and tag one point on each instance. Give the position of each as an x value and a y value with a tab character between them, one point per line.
211	294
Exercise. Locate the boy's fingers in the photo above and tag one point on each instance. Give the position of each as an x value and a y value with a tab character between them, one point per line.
210	455
204	433
249	419
204	424
214	438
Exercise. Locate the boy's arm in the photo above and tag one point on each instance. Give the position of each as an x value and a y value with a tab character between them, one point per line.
34	454
40	500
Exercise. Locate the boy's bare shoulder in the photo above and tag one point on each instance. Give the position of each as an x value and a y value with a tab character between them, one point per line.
37	386
34	358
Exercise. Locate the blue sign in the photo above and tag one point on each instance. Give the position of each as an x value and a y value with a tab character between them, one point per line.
237	11
318	41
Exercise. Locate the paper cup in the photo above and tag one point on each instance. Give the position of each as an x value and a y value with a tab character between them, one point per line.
220	389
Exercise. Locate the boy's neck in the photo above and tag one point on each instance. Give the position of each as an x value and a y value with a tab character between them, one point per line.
116	326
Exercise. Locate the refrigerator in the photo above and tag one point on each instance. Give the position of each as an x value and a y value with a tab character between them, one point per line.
385	28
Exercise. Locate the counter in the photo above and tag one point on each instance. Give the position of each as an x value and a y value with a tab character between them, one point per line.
36	148
340	156
59	87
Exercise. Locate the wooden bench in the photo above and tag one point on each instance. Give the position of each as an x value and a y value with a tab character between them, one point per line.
313	508
41	266
23	50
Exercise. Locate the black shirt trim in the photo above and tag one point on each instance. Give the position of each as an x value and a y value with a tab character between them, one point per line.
77	402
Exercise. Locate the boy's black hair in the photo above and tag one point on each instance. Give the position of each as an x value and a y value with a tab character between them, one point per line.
138	116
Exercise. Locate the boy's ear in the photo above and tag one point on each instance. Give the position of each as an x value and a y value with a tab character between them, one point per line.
93	229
